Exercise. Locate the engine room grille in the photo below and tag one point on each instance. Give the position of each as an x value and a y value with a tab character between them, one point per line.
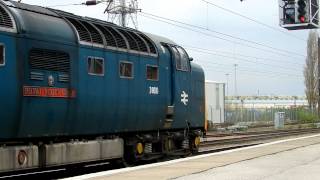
5	19
132	43
108	36
142	45
121	42
148	41
95	35
50	60
82	31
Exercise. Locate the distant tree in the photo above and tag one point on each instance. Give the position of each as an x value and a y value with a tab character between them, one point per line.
311	70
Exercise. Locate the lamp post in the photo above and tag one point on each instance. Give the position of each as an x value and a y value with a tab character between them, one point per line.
227	83
235	80
235	89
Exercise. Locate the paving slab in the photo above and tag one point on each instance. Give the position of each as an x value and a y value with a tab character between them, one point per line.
297	164
285	159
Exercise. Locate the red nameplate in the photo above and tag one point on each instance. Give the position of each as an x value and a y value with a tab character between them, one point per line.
32	91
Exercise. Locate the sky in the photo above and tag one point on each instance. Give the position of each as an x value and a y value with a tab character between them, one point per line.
269	59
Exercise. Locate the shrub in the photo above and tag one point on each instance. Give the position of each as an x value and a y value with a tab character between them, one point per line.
305	116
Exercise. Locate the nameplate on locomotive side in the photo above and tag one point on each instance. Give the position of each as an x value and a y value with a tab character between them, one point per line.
33	91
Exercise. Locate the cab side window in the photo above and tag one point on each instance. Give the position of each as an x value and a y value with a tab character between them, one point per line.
126	69
2	55
152	73
96	66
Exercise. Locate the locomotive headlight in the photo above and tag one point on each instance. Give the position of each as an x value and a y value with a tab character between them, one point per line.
139	148
197	141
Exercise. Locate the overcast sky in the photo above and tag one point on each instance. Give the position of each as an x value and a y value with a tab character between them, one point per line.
264	69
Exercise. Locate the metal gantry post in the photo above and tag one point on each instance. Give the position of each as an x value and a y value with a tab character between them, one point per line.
235	80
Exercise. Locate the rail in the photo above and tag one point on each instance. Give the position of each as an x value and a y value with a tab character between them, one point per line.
220	142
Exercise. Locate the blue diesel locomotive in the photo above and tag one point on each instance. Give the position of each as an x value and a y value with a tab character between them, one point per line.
77	89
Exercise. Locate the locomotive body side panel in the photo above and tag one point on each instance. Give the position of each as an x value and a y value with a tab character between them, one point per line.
197	112
49	94
109	103
90	94
152	95
9	91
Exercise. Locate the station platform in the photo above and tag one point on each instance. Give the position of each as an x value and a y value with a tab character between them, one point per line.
297	158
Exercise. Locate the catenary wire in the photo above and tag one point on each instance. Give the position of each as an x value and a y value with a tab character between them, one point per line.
243	55
252	20
63	5
241	59
217	37
223	34
217	68
271	72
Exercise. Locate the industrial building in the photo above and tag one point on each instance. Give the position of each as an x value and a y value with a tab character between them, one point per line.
215	101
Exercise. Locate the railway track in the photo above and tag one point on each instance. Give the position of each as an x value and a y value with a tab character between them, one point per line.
211	134
212	143
215	142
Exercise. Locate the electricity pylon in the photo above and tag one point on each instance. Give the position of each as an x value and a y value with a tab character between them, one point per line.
119	11
123	12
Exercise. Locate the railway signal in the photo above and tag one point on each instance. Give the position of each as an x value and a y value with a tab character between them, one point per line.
299	14
289	12
302	10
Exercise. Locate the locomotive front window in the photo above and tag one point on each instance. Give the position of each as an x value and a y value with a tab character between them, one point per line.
152	73
177	58
2	55
126	70
96	66
184	60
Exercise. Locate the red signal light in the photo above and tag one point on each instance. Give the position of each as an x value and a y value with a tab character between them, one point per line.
302	19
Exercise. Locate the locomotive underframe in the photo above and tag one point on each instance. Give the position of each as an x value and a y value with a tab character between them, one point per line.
124	147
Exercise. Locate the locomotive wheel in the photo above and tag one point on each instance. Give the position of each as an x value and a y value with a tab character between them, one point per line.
132	153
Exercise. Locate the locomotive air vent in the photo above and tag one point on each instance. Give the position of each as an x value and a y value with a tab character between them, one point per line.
63	77
142	45
98	33
36	76
121	42
49	60
132	43
108	36
148	41
95	35
84	34
5	19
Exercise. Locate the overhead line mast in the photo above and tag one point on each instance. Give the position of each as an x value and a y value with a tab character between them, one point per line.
119	11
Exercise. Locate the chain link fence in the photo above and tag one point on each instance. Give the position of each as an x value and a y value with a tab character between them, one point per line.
237	113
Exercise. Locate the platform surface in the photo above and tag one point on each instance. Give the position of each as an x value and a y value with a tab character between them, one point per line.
297	158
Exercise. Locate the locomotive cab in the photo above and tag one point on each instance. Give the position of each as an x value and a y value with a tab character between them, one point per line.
185	89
